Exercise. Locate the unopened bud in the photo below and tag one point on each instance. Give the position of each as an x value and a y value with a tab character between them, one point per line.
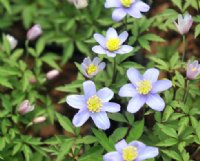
13	42
34	32
25	107
52	74
39	119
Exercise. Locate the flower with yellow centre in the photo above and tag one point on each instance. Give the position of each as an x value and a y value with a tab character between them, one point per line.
113	44
127	3
144	87
94	104
91	69
130	153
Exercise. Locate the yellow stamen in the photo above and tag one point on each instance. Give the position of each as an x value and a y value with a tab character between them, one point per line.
194	69
127	3
91	69
130	153
144	87
113	44
94	104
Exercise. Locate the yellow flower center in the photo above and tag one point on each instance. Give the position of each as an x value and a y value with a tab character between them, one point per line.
91	69
194	69
130	153
144	87
127	3
113	44
94	104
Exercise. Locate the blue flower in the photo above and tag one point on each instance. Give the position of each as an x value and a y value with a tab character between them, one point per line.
134	151
93	104
91	67
124	7
144	89
112	44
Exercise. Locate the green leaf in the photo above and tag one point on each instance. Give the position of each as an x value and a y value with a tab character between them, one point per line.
178	3
153	37
197	30
168	130
136	131
5	82
103	140
118	134
89	139
117	117
144	43
40	46
167	142
65	123
172	154
6	4
68	52
65	148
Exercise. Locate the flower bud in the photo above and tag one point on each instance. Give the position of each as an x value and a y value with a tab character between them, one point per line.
52	74
80	4
184	23
32	80
13	42
25	107
34	32
39	119
193	69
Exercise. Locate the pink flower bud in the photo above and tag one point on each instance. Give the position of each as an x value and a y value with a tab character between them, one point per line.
32	80
39	119
193	69
25	107
13	42
52	74
34	32
184	23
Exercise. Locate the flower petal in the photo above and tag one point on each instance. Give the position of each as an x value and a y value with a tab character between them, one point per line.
111	33
161	85
118	14
110	54
81	117
123	37
111	3
105	94
155	102
121	145
128	90
139	145
147	153
141	6
101	120
136	103
98	49
134	76
76	101
134	12
112	156
102	66
100	39
96	61
89	89
110	107
151	74
125	49
87	61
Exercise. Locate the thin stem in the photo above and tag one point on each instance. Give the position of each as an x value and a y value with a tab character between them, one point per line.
184	47
26	46
114	71
186	91
126	23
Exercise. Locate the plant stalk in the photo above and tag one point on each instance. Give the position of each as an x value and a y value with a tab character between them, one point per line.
184	47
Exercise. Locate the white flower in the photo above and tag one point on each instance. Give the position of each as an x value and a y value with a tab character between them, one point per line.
25	107
52	74
34	32
79	4
184	23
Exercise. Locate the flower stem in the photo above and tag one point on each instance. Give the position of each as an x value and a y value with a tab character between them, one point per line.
114	71
26	46
184	47
186	91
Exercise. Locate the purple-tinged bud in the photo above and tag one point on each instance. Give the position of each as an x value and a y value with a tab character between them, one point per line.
25	107
33	80
39	119
34	32
193	69
13	42
52	74
184	23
